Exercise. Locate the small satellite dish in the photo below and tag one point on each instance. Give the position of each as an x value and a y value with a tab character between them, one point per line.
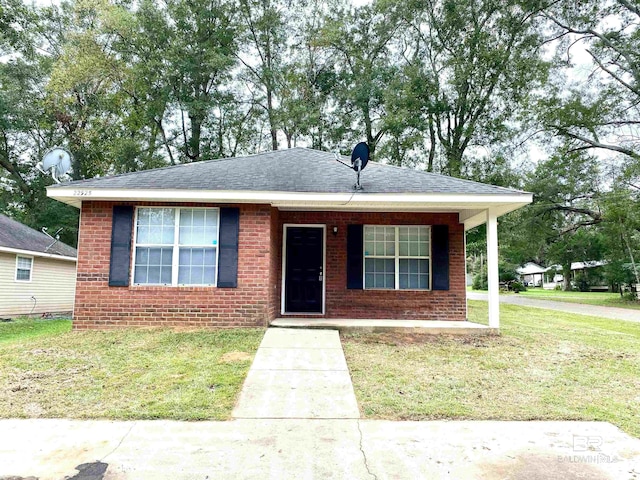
360	156
359	160
57	161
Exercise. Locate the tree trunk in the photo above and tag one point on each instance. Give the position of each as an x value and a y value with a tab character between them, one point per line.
566	273
194	141
432	149
272	120
633	262
454	160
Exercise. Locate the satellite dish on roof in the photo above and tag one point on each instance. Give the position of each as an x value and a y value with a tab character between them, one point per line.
359	160
57	161
360	156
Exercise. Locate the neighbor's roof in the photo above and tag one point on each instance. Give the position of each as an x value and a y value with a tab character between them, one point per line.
531	268
290	170
17	237
299	178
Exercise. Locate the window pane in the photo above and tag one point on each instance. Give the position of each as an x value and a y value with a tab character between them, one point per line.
24	263
414	273
197	266
198	227
379	273
198	218
413	241
23	274
155	226
153	274
153	265
379	241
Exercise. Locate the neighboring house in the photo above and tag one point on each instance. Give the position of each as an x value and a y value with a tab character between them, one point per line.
242	241
593	269
532	274
37	273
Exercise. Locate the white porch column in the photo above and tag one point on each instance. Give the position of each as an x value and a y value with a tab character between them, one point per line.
492	269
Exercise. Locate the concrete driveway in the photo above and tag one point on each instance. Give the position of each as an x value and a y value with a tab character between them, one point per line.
315	449
613	313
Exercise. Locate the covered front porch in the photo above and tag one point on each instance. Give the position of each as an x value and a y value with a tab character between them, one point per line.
325	277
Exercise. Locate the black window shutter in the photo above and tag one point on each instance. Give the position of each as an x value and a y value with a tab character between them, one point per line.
120	260
354	256
440	256
228	254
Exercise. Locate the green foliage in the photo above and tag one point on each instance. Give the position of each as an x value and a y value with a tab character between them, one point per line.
591	116
518	287
581	282
480	280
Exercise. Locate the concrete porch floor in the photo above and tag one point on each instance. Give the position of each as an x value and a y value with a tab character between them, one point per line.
431	327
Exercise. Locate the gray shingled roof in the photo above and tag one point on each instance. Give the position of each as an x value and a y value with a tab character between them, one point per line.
291	170
17	235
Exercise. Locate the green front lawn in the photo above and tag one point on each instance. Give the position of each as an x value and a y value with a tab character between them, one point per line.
604	299
545	366
46	370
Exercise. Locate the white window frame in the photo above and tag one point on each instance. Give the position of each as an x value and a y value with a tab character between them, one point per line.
397	257
175	261
27	257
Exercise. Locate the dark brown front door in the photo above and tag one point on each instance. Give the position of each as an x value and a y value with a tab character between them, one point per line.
304	277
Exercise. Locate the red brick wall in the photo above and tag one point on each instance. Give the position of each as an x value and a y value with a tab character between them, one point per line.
99	306
276	265
257	299
400	304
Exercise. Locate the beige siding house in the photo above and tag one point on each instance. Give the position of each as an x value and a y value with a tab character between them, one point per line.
37	273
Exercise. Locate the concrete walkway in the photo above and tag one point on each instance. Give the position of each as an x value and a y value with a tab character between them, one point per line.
298	373
315	449
613	313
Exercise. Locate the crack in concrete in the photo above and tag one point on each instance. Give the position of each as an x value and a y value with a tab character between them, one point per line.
364	456
120	442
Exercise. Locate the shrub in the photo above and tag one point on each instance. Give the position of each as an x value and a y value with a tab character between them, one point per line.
518	287
581	282
480	280
558	286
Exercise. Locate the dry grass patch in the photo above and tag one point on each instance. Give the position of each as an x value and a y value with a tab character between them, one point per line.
46	370
545	366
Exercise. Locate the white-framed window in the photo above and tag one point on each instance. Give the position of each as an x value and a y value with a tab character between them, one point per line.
176	246
24	266
397	257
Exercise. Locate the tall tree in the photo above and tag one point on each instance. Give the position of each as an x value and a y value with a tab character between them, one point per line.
603	112
265	40
360	40
470	65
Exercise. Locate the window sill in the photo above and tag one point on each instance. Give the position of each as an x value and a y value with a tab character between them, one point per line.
174	287
398	290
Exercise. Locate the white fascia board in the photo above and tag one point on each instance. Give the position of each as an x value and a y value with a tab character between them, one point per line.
18	251
340	201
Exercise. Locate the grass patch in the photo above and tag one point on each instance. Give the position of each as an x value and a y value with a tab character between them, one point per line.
46	370
546	365
604	299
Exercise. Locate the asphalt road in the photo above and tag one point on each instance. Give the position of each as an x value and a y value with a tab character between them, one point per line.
613	313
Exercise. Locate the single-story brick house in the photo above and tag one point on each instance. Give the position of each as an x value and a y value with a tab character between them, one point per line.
242	241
